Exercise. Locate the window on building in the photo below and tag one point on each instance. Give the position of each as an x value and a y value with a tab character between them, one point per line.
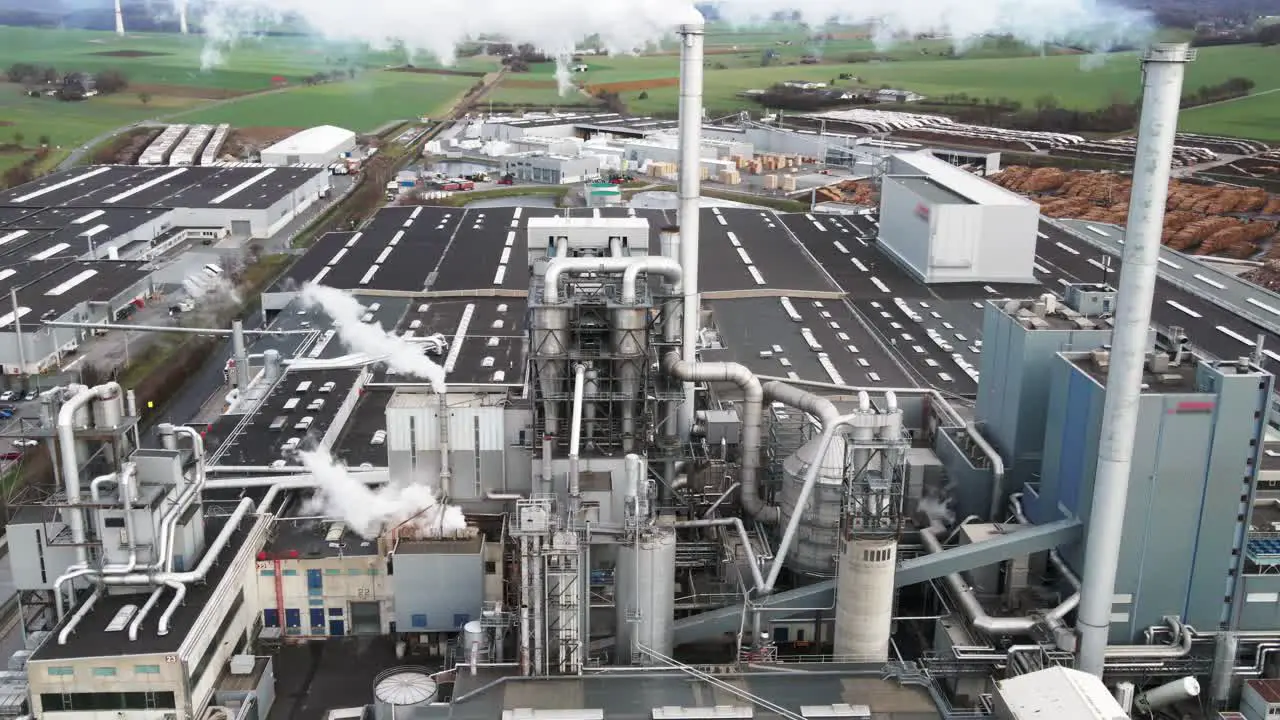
89	702
267	573
419	620
61	670
490	567
104	672
146	669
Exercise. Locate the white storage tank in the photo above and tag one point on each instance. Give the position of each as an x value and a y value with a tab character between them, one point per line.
864	598
475	640
817	542
645	595
108	412
396	692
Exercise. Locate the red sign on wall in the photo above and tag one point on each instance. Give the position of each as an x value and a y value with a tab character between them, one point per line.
922	212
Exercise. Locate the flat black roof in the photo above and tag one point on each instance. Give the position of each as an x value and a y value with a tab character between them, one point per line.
13	214
257	444
91	638
486	337
53	295
354	446
485	238
309	539
958	324
735	240
118	220
238	187
397	250
752	326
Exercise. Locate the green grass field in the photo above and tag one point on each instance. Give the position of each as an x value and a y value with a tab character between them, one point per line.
364	104
1257	117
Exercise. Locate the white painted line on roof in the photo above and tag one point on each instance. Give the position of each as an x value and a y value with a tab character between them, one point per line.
7	273
369	275
62	287
807	216
1100	266
145	186
746	259
511	239
7	320
1064	281
59	186
1209	281
515	215
337	257
500	275
1233	334
721	219
416	211
96	229
382	256
715	211
407	223
1273	356
840	246
6	239
459	336
820	226
1262	305
506	256
755	274
1042	236
396	238
733	239
1170	263
1068	248
1040	268
320	275
1183	308
354	239
876	281
858	264
990	290
241	187
86	218
50	252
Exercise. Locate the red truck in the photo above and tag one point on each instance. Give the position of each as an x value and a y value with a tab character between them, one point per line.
456	184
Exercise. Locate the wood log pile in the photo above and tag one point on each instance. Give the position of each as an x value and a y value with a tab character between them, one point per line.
852	192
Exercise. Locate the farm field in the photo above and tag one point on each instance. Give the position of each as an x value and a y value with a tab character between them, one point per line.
1252	117
363	104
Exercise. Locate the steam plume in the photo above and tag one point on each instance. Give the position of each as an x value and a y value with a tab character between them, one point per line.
415	509
400	355
936	513
437	27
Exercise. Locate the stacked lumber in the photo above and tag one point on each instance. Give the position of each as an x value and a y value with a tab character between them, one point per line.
852	192
1238	241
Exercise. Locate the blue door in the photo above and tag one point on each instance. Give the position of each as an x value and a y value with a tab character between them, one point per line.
336	628
317	621
271	617
315	582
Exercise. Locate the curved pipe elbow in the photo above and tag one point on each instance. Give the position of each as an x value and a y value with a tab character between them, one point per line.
666	267
803	400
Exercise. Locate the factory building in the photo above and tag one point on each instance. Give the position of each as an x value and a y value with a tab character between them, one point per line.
320	145
946	225
551	169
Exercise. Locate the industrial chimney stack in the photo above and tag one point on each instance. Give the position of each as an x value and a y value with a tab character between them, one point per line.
1163	65
119	18
692	31
182	17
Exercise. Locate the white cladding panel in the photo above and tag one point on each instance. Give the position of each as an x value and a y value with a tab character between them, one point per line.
475	429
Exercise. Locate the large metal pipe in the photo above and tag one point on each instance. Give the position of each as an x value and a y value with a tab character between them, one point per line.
240	355
752	421
633	465
72	412
526	580
125	489
147	607
736	523
692	30
80	615
1168	694
575	433
539	595
997	469
814	404
1164	65
630	267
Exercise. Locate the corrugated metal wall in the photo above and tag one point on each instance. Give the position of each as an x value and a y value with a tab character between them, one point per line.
434	592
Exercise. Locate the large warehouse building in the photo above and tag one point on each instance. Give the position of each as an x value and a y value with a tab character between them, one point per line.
319	145
946	225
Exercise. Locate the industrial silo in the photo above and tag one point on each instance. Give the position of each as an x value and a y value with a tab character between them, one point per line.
399	691
817	540
864	598
645	596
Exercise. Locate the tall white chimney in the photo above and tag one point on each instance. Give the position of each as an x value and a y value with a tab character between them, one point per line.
692	30
119	18
182	17
1163	66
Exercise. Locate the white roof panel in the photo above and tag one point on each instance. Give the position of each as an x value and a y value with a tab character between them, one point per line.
319	139
960	181
1059	693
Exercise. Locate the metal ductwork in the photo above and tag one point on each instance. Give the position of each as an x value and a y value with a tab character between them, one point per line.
752	422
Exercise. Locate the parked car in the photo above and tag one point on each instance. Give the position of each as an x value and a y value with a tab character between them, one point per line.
7	395
25	442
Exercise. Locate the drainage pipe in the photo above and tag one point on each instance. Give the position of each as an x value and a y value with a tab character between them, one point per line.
752	422
736	522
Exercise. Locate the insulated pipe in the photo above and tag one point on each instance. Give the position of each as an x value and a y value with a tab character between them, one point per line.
736	522
191	493
575	433
630	267
167	439
536	568
1168	694
80	397
803	400
692	30
997	469
124	481
968	602
525	581
179	595
723	496
238	351
136	625
1163	65
446	472
752	421
634	468
1179	647
80	615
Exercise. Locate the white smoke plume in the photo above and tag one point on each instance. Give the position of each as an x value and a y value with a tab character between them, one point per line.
401	356
415	509
936	512
436	27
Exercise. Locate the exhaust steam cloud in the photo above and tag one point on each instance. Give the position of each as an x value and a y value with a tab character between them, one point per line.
400	355
437	27
415	509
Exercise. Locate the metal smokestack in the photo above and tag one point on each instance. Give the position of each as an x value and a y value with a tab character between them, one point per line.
119	18
691	31
1163	66
182	18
